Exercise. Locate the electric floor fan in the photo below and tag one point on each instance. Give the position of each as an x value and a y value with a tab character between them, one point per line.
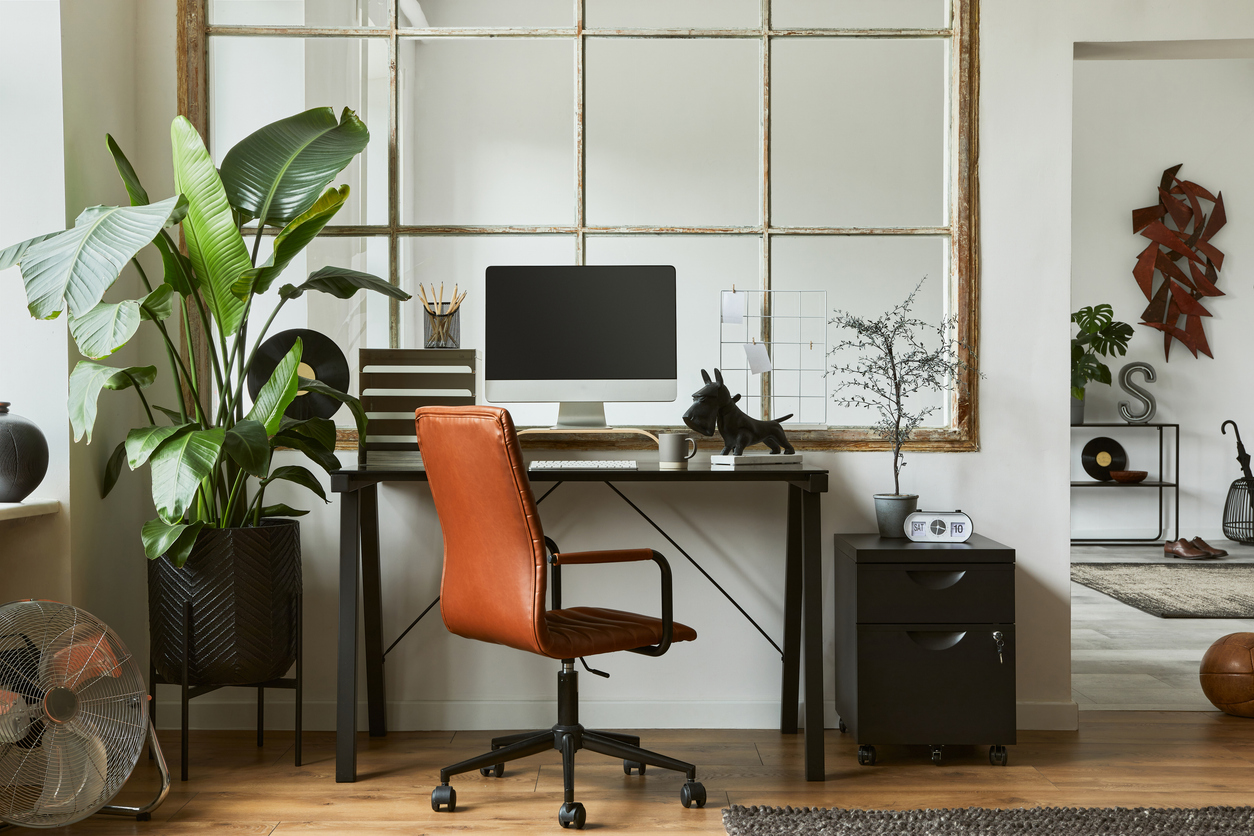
73	717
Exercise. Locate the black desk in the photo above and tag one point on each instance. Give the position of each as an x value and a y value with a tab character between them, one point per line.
803	595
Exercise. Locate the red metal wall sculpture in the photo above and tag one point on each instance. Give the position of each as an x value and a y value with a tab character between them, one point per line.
1178	230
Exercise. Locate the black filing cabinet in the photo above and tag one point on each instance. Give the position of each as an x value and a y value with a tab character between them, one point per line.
925	643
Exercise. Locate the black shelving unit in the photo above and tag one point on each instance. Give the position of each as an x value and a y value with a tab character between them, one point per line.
1159	484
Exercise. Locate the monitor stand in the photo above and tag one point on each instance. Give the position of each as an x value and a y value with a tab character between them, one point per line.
581	416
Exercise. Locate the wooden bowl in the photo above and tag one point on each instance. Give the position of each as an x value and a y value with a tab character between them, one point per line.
1129	477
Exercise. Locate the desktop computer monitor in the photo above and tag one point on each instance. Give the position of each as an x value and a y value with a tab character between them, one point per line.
579	336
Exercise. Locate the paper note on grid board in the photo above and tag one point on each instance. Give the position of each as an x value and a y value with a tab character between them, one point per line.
759	359
733	308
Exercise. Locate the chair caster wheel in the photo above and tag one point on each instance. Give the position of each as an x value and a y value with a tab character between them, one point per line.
572	814
444	796
628	766
866	755
843	728
997	755
936	755
692	792
489	771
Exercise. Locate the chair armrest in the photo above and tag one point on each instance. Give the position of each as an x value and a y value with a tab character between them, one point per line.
623	556
558	560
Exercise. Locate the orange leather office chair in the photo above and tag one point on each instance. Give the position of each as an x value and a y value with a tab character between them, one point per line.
493	590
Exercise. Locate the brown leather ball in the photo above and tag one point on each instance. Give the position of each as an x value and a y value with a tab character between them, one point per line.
1227	674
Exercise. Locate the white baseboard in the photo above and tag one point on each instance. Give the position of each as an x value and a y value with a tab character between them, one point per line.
480	715
524	714
1049	716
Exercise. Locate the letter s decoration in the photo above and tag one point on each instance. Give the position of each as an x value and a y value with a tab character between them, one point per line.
1125	383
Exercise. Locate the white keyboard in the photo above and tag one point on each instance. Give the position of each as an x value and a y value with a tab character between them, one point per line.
585	464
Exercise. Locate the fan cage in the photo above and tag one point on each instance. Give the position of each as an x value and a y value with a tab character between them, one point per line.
73	714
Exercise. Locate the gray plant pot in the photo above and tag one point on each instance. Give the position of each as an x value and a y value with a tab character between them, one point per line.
1077	411
891	510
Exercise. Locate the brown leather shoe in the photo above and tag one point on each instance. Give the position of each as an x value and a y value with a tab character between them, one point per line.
1185	550
1202	546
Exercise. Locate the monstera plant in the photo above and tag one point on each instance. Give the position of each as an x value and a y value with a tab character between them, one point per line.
210	457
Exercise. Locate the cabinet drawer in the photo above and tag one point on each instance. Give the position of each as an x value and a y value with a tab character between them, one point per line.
897	593
936	684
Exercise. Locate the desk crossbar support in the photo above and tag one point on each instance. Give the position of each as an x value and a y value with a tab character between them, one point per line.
669	539
700	569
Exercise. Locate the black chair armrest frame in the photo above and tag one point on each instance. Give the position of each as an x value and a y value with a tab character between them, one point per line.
668	614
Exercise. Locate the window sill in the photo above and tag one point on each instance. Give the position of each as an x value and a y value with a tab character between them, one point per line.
28	508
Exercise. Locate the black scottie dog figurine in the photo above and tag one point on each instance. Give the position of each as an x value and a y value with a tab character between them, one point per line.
713	407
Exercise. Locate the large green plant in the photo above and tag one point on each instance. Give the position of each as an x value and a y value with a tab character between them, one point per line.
210	460
1099	334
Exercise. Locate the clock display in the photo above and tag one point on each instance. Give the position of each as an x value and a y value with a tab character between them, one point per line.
938	527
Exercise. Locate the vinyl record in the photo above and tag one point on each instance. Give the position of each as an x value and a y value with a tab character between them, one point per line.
1102	455
321	359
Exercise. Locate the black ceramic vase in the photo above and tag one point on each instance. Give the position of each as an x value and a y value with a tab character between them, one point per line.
23	456
242	585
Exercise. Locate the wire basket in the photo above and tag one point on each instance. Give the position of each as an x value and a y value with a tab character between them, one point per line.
1239	513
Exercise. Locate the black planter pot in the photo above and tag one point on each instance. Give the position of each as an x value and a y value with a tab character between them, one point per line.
23	456
242	584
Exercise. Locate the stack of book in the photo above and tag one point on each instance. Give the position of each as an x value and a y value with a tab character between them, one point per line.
756	460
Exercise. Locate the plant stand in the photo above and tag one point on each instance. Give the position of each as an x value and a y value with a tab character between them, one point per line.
190	692
1161	484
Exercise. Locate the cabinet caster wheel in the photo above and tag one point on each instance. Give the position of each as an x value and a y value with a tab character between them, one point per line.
936	755
490	771
998	756
572	814
692	792
866	755
843	728
628	766
444	796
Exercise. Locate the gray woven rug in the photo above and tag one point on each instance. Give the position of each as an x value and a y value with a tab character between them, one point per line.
1175	590
977	821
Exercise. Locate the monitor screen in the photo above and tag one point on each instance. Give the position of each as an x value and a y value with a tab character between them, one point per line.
602	323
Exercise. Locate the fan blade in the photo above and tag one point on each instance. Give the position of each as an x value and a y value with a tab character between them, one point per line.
77	768
16	716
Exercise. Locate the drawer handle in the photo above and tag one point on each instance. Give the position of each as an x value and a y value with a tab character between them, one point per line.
935	640
935	579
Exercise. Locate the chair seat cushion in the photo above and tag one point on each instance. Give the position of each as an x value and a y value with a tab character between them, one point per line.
586	631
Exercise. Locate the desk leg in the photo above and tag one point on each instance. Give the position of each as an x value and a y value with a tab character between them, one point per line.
372	611
346	662
792	616
812	591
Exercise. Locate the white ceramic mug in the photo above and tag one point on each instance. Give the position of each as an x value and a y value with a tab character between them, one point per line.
674	450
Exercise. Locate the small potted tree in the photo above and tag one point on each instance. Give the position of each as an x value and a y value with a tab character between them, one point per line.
1099	334
893	364
214	539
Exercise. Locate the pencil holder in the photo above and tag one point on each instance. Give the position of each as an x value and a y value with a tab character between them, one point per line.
442	330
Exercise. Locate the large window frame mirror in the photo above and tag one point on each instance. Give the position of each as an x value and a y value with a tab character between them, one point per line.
791	146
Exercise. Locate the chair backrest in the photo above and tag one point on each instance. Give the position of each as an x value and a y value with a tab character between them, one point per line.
494	581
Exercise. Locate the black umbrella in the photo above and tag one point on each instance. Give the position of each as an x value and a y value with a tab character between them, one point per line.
1242	456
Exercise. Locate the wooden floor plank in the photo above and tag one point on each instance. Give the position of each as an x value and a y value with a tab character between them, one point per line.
1129	759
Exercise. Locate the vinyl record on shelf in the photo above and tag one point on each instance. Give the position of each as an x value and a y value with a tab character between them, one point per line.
1102	455
321	360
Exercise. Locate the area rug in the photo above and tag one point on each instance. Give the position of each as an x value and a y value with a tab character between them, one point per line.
977	821
1170	590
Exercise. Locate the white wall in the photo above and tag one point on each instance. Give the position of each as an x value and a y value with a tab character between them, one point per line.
34	552
1119	158
1015	488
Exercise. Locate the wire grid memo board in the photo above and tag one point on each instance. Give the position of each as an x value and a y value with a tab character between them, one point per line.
792	326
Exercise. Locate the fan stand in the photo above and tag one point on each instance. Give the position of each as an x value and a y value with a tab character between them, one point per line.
145	813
